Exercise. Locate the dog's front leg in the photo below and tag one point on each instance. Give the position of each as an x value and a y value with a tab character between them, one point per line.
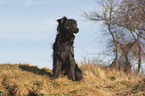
57	64
71	71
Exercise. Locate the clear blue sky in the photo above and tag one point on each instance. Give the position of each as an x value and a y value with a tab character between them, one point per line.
28	30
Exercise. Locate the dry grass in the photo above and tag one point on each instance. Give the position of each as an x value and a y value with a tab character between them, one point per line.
27	80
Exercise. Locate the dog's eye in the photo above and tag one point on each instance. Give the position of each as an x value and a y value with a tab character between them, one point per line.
74	25
67	25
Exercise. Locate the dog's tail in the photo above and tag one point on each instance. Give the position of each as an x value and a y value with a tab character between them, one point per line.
78	73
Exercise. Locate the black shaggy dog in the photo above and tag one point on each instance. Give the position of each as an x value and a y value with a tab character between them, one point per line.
63	52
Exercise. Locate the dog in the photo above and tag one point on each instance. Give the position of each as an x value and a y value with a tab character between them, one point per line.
63	51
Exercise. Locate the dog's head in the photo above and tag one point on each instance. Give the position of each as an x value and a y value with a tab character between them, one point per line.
67	26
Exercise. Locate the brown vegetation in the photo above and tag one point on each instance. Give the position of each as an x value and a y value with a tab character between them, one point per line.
27	80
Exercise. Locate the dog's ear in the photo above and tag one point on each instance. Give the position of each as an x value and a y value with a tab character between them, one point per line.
62	20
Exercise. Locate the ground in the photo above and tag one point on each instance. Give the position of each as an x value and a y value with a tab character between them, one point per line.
27	80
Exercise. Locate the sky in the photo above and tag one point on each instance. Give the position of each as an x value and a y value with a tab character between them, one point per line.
28	30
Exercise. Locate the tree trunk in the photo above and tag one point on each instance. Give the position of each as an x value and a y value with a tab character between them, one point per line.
115	62
128	68
139	56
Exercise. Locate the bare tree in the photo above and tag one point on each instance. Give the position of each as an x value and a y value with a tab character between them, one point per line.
131	16
125	23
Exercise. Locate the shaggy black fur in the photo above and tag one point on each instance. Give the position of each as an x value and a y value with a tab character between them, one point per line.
63	52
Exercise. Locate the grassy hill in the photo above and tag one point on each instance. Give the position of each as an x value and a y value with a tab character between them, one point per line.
27	80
